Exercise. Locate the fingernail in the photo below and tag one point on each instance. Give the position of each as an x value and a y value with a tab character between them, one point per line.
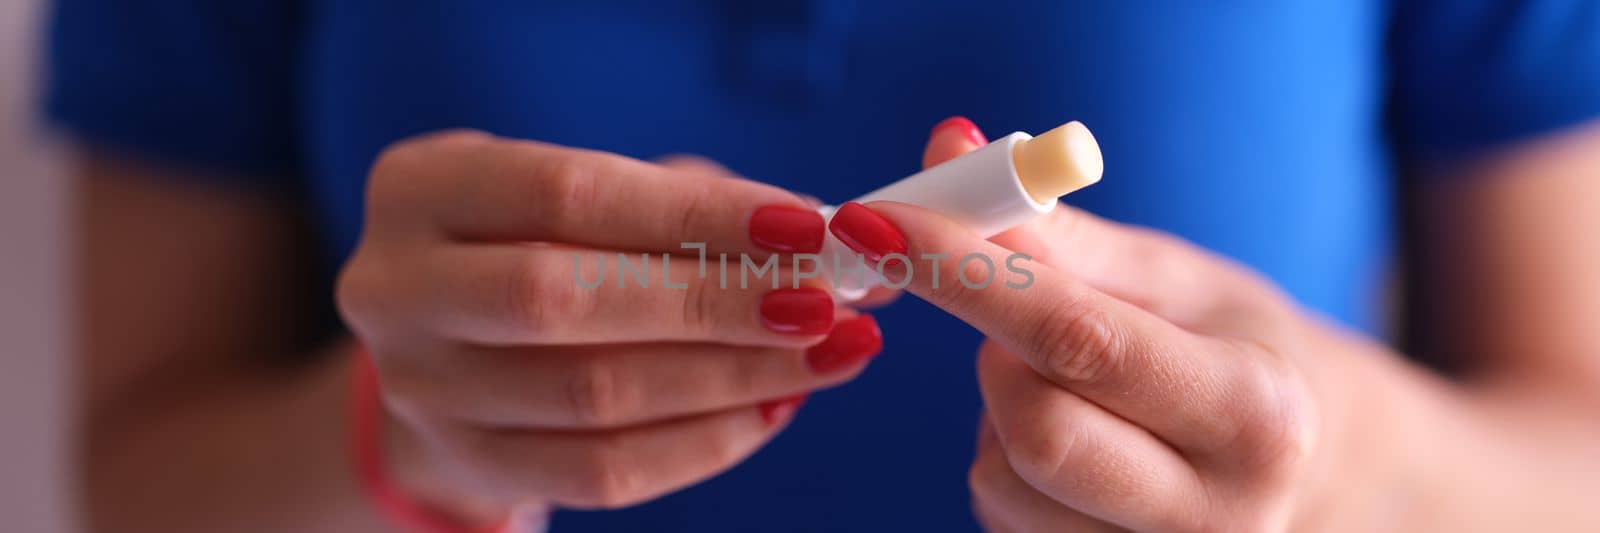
776	411
961	126
851	342
787	229
867	232
804	311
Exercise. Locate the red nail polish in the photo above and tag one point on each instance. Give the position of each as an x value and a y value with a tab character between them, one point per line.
778	410
867	232
851	342
965	127
804	311
787	229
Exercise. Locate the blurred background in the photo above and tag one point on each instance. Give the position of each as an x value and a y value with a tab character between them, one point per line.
36	374
33	367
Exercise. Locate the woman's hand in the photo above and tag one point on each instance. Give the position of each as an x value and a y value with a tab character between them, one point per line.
512	383
1136	382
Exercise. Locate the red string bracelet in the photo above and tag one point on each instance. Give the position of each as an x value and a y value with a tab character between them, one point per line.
366	452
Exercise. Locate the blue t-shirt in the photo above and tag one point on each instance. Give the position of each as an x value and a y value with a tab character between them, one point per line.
1268	131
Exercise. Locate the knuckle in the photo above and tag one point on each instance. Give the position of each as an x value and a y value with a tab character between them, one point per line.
725	450
948	288
570	183
407	391
363	296
405	173
603	481
697	206
949	291
539	300
563	184
1042	454
947	279
1079	344
1278	433
397	158
699	307
752	372
354	292
984	478
596	395
394	174
977	273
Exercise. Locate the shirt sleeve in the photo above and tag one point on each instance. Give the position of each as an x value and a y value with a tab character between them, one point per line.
204	83
1472	74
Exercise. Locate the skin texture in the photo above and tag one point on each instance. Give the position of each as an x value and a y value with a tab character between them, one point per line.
1176	390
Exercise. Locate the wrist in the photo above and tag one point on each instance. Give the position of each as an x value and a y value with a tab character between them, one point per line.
1387	426
389	464
408	460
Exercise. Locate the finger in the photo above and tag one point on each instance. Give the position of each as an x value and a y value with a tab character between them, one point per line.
615	385
506	190
1075	453
697	164
1004	502
1162	274
877	296
951	138
1135	364
538	294
616	468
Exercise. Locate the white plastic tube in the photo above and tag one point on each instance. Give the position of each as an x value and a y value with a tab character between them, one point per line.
983	190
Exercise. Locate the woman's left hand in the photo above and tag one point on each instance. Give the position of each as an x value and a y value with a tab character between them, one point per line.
1138	382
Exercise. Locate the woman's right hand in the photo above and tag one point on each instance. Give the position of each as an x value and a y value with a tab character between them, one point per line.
511	384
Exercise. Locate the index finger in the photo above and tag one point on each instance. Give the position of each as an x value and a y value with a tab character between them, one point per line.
1110	352
491	189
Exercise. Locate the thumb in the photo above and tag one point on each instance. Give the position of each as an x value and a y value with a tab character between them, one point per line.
951	138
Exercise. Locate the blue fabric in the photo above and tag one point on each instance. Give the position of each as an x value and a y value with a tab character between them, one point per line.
1265	130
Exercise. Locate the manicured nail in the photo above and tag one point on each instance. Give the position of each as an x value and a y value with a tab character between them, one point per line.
787	229
804	311
867	232
851	342
960	126
779	410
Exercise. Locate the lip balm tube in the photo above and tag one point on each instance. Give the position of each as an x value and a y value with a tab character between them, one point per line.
999	186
